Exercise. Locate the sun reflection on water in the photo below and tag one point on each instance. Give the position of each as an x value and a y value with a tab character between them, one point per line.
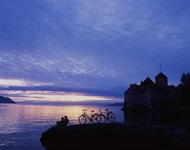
22	125
16	117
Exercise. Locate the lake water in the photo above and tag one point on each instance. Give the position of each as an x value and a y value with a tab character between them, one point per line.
21	126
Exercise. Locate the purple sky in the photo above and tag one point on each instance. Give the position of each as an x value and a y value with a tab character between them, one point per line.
94	47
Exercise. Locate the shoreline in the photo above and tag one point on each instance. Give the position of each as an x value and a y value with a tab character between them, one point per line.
116	136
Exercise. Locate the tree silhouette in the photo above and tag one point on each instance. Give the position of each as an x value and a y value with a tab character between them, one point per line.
185	79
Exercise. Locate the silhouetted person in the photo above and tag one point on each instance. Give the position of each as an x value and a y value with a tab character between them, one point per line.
62	122
66	120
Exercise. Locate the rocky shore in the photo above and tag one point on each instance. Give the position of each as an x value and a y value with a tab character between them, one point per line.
116	136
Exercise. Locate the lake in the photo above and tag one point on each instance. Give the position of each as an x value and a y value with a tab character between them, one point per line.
21	125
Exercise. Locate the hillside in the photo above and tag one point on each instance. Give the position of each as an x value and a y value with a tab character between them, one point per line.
6	100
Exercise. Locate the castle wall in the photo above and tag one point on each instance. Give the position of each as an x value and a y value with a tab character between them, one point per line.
150	96
133	100
138	100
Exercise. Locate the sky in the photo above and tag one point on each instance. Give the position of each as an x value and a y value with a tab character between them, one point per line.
73	50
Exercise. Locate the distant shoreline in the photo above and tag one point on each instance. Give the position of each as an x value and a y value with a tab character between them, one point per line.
88	103
6	100
116	104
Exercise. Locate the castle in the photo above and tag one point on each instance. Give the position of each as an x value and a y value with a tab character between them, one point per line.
158	95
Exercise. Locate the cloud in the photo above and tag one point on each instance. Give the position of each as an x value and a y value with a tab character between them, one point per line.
94	44
109	93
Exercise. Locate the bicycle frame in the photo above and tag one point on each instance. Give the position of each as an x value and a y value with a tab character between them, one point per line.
87	116
107	115
94	118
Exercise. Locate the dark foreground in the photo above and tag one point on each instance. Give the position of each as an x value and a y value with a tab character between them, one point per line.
116	136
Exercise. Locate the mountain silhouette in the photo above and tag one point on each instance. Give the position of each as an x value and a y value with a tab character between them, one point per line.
6	100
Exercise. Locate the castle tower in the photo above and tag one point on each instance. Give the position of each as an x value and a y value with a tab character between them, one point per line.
161	80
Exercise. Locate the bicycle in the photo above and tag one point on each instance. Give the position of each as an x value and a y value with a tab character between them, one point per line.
94	118
107	116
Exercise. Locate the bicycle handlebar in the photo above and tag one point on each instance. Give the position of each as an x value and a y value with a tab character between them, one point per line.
101	109
86	110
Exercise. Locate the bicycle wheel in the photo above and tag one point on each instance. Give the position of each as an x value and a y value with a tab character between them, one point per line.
103	118
82	119
96	118
111	117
